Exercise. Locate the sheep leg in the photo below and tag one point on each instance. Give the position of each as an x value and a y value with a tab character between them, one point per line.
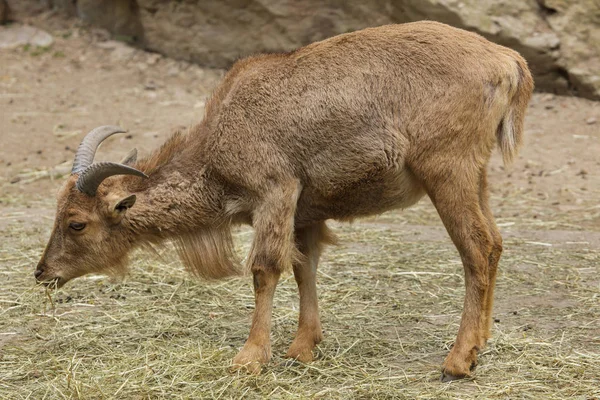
455	194
460	212
493	257
272	251
310	243
257	349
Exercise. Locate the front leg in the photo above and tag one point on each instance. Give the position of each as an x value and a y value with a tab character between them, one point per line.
273	250
257	350
310	241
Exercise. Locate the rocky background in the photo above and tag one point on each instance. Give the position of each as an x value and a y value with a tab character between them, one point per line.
559	38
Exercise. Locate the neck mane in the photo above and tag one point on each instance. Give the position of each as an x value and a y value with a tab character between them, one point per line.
164	155
181	202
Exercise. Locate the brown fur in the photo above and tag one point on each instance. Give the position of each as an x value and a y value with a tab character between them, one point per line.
208	253
165	153
351	126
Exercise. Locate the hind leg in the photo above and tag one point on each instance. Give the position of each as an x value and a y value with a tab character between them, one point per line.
310	242
493	257
455	194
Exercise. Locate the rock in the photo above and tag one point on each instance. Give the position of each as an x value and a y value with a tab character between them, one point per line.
548	97
559	38
591	121
109	44
223	32
66	6
16	35
120	51
121	17
577	24
23	9
546	41
153	58
4	11
150	85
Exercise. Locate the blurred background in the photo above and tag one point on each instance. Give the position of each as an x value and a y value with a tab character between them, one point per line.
559	38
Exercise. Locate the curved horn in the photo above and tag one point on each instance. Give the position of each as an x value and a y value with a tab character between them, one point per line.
87	149
91	177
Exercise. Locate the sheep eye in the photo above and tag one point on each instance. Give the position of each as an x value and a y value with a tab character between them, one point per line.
77	226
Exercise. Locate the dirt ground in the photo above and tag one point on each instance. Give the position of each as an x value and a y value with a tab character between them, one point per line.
547	333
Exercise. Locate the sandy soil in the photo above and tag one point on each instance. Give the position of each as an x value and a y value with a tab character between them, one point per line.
49	98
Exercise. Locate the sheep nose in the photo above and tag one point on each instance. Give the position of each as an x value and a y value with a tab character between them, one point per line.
38	272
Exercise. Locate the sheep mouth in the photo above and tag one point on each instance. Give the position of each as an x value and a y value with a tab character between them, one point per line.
53	283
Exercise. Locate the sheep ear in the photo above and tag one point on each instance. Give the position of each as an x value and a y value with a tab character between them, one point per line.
124	204
130	158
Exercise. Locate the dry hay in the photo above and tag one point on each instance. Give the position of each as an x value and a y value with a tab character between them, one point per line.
390	299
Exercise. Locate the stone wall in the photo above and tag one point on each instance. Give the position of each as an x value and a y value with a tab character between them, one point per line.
3	11
559	38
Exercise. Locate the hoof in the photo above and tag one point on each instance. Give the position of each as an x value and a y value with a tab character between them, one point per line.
304	356
449	377
253	368
251	359
302	347
446	377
